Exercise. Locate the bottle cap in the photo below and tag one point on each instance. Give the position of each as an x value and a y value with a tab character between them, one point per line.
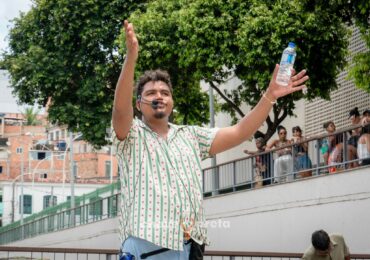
291	44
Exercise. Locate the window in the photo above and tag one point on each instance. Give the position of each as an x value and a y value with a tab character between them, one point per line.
51	136
1	169
19	150
57	135
41	155
27	204
107	168
49	201
43	175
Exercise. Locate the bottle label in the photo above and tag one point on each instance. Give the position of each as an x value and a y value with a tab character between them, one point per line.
290	59
287	59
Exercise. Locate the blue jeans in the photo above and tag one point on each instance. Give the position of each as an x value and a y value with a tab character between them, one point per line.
137	246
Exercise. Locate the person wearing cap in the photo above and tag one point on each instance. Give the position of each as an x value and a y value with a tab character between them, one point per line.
325	246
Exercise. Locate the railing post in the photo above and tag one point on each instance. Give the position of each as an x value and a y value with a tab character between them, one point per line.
272	167
234	176
295	174
317	157
216	180
345	151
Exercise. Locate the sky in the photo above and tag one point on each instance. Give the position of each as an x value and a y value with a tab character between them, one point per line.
10	9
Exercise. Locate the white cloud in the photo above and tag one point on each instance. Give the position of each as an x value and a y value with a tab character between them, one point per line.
10	9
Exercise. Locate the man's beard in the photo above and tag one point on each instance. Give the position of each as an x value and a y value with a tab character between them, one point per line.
159	115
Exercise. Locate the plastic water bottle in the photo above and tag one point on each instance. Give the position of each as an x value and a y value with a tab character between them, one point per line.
286	65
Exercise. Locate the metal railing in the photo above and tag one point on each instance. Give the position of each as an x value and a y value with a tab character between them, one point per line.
109	254
268	167
57	253
97	210
237	255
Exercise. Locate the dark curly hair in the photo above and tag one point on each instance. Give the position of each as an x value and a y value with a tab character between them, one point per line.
152	75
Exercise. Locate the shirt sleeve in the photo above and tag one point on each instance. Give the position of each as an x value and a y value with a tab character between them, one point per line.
346	250
204	137
132	134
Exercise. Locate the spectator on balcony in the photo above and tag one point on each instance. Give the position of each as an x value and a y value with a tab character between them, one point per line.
354	116
363	148
365	117
301	159
263	162
283	164
161	179
324	246
334	148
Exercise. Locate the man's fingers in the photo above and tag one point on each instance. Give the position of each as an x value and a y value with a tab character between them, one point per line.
300	81
299	75
291	90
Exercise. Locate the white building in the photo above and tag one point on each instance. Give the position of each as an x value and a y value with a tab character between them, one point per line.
37	196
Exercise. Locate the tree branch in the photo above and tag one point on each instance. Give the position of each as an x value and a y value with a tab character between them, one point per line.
232	104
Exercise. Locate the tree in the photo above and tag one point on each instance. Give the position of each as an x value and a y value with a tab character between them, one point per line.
215	40
352	12
68	50
30	115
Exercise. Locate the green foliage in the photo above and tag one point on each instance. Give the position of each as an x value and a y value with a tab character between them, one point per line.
72	51
360	71
159	48
30	115
67	50
215	40
350	12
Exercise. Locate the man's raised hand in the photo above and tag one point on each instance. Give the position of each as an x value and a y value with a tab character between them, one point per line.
132	43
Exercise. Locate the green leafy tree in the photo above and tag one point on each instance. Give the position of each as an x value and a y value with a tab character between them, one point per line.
159	48
216	40
68	50
351	13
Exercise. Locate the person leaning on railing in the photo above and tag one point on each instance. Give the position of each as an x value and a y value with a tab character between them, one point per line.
263	163
301	159
363	146
283	165
333	149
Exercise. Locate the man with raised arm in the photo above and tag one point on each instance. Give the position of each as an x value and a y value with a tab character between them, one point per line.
161	180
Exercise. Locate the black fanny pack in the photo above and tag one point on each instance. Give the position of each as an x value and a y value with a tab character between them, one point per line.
196	251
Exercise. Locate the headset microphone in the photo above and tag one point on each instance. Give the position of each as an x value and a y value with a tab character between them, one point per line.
154	104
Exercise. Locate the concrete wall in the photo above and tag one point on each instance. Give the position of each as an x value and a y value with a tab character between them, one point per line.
281	218
276	218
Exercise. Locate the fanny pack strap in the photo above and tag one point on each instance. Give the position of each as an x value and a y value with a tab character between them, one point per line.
155	252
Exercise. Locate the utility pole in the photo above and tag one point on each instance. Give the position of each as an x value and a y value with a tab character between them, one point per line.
213	159
72	176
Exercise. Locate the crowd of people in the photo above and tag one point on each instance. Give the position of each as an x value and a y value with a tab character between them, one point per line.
292	159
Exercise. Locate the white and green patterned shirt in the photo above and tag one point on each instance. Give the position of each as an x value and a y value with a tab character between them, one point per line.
161	183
